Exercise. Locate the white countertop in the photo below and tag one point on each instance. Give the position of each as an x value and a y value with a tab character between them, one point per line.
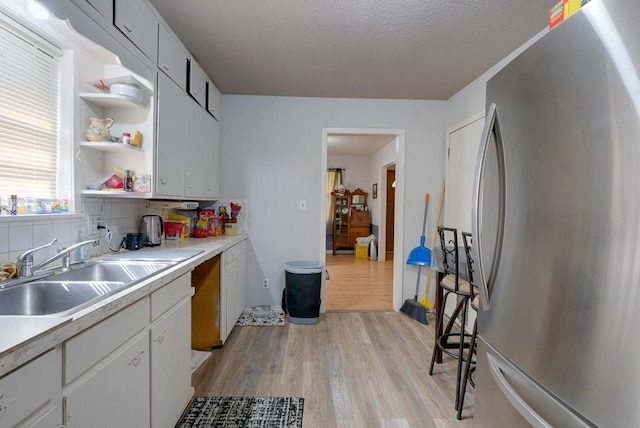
23	338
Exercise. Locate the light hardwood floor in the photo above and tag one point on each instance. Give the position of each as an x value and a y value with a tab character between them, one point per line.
359	284
361	369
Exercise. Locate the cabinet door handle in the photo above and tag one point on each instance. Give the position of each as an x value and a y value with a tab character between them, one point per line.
165	67
190	186
136	360
160	337
4	404
163	181
127	28
194	93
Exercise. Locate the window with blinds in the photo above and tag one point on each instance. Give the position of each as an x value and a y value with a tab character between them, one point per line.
29	99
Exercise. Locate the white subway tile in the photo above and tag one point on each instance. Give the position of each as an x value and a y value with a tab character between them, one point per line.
20	238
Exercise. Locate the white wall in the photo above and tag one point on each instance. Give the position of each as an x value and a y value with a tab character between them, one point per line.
356	173
271	154
471	99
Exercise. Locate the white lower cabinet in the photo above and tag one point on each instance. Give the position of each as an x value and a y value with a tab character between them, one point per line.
31	388
51	418
106	371
171	354
233	291
132	369
116	394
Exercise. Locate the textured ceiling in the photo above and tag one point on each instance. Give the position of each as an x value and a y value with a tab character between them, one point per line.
397	49
356	144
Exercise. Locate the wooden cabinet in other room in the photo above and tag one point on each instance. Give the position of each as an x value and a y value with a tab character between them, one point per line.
351	219
139	24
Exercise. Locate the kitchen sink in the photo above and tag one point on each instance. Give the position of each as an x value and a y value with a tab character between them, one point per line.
112	271
67	292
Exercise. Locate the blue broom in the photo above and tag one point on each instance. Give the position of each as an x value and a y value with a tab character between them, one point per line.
420	256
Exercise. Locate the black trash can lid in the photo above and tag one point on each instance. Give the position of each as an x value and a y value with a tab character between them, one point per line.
304	266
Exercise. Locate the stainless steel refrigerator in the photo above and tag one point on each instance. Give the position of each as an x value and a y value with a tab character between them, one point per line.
556	224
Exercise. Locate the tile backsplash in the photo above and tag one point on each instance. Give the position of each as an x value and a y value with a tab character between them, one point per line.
21	233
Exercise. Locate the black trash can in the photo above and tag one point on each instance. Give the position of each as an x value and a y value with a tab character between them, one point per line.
303	280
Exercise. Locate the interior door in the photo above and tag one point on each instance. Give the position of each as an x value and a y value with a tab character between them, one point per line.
390	205
464	142
462	151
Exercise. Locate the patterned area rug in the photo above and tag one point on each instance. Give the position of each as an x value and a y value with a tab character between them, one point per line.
245	412
276	319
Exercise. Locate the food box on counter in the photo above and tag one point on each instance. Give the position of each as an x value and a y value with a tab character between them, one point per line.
173	229
563	10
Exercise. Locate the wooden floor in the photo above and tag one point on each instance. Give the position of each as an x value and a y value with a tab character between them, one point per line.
359	284
361	369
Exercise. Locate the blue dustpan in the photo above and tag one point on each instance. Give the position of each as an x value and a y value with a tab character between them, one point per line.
421	255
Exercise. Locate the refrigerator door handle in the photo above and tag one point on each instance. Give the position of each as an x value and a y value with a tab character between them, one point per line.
491	127
516	400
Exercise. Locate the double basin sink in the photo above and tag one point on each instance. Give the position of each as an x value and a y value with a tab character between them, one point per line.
66	292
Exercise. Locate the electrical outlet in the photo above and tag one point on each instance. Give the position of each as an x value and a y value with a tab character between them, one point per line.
265	283
92	226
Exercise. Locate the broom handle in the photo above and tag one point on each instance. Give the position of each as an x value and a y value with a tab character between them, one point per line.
435	239
424	219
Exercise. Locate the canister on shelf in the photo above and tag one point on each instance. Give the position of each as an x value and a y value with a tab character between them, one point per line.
128	181
14	204
126	138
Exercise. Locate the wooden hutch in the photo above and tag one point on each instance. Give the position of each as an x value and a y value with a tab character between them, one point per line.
351	219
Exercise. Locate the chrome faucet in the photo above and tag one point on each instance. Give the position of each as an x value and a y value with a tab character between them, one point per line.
25	260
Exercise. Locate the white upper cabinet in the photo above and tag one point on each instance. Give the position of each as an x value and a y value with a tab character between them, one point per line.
170	138
212	158
139	24
214	99
194	151
172	59
105	7
197	82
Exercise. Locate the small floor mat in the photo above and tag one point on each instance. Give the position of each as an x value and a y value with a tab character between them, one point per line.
275	319
249	412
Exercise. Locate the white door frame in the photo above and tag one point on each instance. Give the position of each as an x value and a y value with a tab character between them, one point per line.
398	254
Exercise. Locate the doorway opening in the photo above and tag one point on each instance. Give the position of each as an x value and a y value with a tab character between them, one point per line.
369	161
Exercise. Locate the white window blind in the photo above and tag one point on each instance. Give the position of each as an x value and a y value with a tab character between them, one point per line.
29	92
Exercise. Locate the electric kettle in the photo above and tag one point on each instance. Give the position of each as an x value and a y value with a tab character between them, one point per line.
152	229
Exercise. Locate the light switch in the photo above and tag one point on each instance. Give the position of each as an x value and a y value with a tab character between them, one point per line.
303	204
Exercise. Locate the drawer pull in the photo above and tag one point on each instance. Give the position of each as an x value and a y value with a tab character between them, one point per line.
163	181
127	28
136	360
4	404
160	337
